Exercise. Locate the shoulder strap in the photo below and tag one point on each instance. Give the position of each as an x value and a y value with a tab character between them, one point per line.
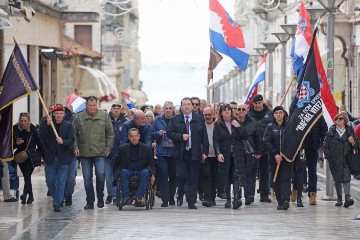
27	146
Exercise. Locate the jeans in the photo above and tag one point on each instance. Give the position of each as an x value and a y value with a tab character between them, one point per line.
126	174
167	178
87	164
311	159
71	178
56	175
109	177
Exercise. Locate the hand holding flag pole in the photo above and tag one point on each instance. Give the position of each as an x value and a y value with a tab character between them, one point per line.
47	112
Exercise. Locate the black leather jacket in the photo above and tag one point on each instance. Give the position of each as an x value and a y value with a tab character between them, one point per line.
273	136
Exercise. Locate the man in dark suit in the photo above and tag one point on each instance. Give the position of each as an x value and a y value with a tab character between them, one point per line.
58	154
134	158
191	144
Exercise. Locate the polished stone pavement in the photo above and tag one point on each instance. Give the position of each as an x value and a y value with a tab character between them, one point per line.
258	221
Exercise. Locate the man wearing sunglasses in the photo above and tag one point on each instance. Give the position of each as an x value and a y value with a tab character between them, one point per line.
196	105
263	116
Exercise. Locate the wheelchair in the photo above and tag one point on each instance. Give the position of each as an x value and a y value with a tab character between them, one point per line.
134	182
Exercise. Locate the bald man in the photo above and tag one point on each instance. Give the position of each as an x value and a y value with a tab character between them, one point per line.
139	123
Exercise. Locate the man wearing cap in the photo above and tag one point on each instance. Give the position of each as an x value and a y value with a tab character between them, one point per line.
58	154
94	139
117	121
263	116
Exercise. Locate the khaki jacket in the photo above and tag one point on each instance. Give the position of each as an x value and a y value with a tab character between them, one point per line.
93	134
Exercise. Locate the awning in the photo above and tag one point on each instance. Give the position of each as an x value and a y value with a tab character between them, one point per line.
93	82
72	48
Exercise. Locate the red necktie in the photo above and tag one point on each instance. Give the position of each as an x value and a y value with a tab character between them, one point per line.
187	130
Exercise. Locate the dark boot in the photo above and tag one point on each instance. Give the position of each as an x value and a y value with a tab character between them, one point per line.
339	201
299	202
30	199
228	203
237	200
348	201
23	198
68	201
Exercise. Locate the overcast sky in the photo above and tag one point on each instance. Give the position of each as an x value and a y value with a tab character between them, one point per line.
174	45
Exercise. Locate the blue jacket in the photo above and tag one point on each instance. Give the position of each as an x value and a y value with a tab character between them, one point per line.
160	124
145	133
117	127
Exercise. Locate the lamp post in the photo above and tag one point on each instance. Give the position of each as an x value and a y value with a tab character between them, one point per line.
260	50
330	6
270	46
315	13
283	38
289	28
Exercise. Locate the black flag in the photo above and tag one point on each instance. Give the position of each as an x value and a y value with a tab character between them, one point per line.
305	109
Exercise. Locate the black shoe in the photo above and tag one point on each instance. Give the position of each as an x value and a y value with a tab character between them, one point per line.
164	204
30	200
286	205
280	207
180	201
206	203
348	201
57	209
338	203
89	206
249	200
213	203
100	204
172	202
265	199
68	201
11	200
299	203
23	198
201	196
228	203
139	202
48	193
108	200
114	202
191	206
237	204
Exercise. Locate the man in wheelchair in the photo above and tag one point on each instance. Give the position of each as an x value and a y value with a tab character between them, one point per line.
134	159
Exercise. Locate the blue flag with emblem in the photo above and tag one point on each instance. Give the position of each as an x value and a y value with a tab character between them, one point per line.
305	109
16	83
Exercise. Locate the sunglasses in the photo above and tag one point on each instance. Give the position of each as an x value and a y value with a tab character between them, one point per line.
196	104
242	109
23	114
339	118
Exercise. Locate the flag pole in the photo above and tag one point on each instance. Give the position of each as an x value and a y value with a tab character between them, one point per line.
47	112
287	91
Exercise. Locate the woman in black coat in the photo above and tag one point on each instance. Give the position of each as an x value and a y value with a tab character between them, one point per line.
229	149
273	140
24	131
339	142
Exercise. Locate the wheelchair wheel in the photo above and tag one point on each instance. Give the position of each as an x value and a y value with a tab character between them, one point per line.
120	206
147	205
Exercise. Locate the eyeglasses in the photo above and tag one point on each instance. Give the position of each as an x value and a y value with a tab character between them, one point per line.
242	109
195	104
207	115
339	118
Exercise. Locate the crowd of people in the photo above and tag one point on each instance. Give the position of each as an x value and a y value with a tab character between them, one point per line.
195	151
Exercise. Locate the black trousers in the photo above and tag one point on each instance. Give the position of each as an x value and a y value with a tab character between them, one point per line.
228	175
264	187
27	170
283	181
250	182
298	177
186	168
209	178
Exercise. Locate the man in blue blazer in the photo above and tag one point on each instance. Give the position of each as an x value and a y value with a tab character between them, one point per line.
58	154
191	145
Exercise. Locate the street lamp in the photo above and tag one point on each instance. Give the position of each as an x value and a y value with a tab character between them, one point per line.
283	38
270	47
330	6
289	28
260	50
315	13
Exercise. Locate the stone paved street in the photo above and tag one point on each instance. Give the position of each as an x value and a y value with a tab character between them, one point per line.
259	221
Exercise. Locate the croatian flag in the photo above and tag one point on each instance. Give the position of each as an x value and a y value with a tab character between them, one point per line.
77	103
126	97
302	40
226	37
259	77
328	102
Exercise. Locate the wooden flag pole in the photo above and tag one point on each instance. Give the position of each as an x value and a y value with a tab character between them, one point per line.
47	112
287	91
276	171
